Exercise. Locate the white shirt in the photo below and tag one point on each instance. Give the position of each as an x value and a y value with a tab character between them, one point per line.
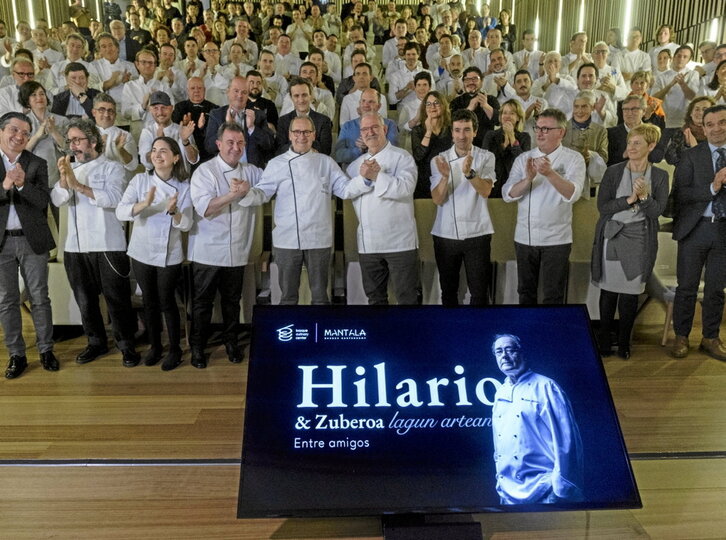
288	64
465	213
304	184
478	58
111	152
533	63
653	53
248	45
146	140
9	100
335	69
325	103
675	102
631	61
349	107
179	86
385	207
135	92
399	79
105	69
537	444
225	238
57	70
544	216
556	94
156	238
92	223
390	50
13	222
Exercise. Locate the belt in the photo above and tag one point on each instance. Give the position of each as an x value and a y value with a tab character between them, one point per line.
713	219
14	232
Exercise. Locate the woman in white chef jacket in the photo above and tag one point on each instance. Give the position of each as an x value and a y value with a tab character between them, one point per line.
159	204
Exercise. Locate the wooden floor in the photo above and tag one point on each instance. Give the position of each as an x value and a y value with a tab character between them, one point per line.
72	446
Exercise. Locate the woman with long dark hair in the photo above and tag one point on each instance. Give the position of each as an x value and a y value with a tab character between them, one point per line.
507	142
692	131
717	87
159	204
431	137
633	194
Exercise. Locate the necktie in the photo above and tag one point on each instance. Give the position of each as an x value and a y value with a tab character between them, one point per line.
719	202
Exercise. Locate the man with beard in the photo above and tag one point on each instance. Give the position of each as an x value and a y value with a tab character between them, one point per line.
381	188
162	126
531	105
450	84
484	106
95	252
118	145
257	101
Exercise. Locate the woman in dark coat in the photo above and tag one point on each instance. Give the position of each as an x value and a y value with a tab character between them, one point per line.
633	194
506	143
431	137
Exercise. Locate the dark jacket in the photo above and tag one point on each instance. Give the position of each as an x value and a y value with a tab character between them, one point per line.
608	205
618	142
504	157
259	146
692	189
31	203
60	102
323	132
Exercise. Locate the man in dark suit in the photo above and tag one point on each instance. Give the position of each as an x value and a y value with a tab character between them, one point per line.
259	138
77	99
699	226
25	240
127	47
197	106
301	92
633	107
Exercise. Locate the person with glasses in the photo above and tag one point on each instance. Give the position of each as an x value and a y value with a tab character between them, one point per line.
301	94
545	182
538	451
76	50
653	112
25	241
483	105
136	93
118	145
610	80
304	181
554	86
382	183
632	110
429	138
95	250
509	141
22	70
213	75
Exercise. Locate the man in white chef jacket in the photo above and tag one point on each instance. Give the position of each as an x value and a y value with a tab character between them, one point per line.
382	184
95	251
304	181
220	240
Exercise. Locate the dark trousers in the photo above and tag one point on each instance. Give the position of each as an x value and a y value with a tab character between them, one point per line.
206	281
704	246
107	273
627	307
158	284
289	265
402	267
475	254
552	262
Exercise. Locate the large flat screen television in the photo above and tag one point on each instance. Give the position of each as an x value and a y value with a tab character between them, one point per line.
362	410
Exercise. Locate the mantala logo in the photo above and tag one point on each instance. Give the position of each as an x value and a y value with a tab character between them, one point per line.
285	333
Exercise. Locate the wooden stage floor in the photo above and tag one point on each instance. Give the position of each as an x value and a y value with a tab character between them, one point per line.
101	451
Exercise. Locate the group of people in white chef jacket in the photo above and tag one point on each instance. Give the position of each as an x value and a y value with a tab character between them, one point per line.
217	208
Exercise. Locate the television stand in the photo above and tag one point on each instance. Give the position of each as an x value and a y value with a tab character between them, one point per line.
431	527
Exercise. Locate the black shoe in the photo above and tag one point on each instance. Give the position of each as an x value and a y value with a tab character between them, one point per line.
624	352
152	356
49	361
199	360
130	358
16	366
172	360
234	353
90	353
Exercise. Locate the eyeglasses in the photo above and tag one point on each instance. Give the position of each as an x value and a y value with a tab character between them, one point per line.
146	62
507	350
471	79
371	129
299	132
632	109
17	131
104	110
544	129
430	104
600	51
25	74
76	140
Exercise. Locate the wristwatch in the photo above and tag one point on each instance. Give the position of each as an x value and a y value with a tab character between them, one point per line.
471	175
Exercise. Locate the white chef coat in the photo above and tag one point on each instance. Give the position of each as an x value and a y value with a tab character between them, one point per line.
156	238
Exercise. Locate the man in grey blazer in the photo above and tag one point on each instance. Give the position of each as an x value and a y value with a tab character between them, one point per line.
699	226
25	240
